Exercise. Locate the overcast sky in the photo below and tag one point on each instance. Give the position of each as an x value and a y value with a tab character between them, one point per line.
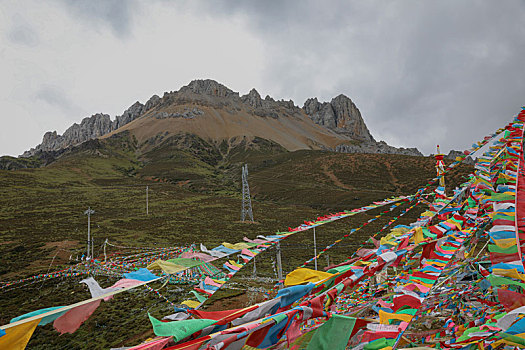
421	72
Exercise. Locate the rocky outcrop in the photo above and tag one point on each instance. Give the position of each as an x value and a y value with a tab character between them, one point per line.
90	128
268	107
208	87
343	117
253	99
187	114
129	115
376	147
152	102
340	115
453	154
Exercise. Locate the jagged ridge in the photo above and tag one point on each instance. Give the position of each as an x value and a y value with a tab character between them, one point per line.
340	116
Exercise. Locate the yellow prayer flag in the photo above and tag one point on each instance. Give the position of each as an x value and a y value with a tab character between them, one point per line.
17	337
512	273
236	246
191	303
166	266
303	275
505	243
235	264
418	235
435	263
384	317
455	223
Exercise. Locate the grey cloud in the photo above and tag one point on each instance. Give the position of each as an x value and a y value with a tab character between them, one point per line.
56	97
117	14
422	73
21	32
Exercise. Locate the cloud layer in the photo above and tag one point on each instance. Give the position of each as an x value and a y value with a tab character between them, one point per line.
422	73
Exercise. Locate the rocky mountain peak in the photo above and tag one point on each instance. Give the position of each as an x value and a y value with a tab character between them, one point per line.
253	99
340	115
152	102
208	87
130	114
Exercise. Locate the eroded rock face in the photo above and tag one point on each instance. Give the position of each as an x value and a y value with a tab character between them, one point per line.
340	115
253	99
208	87
95	126
152	102
376	147
91	127
268	107
129	115
453	154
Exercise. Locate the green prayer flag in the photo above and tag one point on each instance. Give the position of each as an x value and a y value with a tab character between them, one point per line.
428	233
201	298
379	344
407	311
498	281
495	249
499	197
504	217
424	280
334	334
185	262
178	329
513	338
340	269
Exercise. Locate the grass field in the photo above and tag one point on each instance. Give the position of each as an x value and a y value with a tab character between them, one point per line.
194	197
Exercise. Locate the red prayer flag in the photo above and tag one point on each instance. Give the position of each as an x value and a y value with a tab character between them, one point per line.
510	300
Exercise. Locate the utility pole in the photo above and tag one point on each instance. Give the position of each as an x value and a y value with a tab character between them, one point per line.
279	264
88	213
147	202
246	209
105	243
315	251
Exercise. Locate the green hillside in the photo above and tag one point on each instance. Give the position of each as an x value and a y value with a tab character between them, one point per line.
194	197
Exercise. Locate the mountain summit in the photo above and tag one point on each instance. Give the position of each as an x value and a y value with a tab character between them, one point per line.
215	113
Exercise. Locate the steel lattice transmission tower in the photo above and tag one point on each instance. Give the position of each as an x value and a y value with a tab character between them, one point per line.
90	254
246	210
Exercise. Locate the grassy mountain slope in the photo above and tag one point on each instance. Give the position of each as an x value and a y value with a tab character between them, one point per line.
194	197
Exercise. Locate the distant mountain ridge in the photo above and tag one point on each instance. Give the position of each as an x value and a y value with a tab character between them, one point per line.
214	112
90	127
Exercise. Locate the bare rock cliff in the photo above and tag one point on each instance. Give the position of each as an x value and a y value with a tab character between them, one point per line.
340	115
90	128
